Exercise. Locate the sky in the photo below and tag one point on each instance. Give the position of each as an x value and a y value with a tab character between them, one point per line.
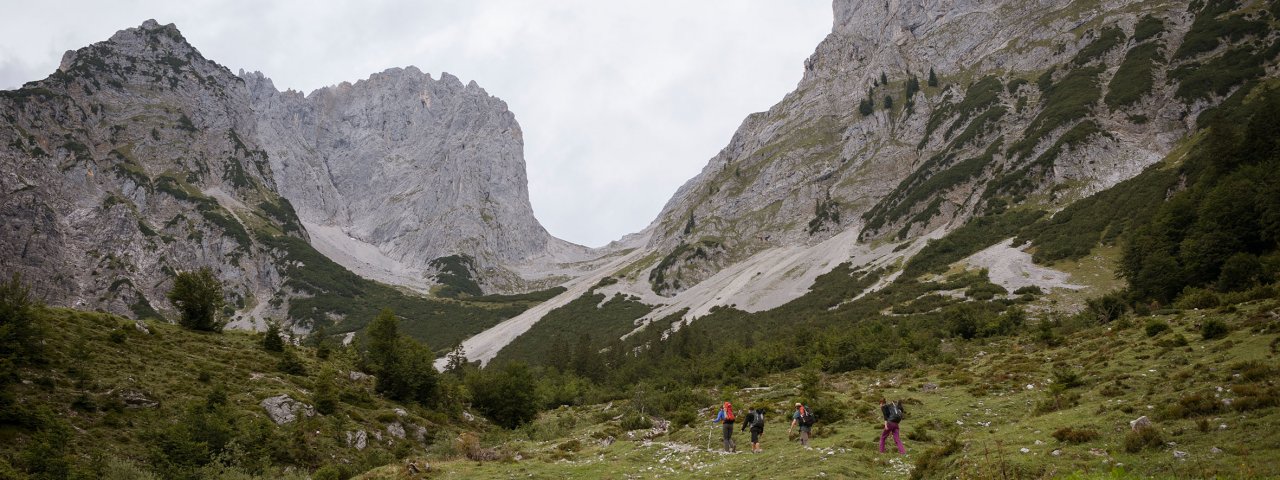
620	102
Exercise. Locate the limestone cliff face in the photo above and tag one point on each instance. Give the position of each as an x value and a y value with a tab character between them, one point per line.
1035	102
133	161
414	167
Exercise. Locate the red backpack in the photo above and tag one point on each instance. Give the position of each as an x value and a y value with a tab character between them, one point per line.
728	412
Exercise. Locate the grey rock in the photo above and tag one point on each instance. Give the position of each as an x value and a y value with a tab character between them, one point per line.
1140	423
1215	450
358	439
1179	454
137	160
136	399
378	159
396	429
283	409
141	326
358	376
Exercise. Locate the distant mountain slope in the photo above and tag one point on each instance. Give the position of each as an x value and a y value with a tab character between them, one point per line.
410	167
140	158
918	119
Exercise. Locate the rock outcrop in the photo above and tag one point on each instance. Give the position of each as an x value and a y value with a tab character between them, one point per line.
132	161
400	169
284	409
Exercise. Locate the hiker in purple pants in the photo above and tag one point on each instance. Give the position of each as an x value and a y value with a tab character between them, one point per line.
892	415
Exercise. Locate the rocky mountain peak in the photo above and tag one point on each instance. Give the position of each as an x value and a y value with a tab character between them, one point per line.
396	170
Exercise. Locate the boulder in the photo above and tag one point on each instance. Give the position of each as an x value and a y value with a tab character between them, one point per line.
357	439
1140	423
283	409
396	429
358	376
136	399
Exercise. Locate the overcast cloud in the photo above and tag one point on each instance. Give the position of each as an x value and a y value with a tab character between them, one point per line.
620	103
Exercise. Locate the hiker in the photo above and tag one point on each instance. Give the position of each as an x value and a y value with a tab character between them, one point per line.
755	421
726	417
892	416
805	419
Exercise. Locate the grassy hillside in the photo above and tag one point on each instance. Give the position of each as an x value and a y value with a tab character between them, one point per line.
1020	406
101	399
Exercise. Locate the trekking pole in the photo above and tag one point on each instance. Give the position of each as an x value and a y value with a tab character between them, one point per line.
709	433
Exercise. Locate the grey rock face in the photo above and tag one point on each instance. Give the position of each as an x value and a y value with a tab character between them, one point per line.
358	439
414	167
812	165
131	162
284	409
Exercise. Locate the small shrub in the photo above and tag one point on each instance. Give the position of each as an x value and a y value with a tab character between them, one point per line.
1197	298
271	341
1175	341
1067	378
1029	289
1214	329
1156	327
117	336
291	364
1076	435
919	433
933	459
636	422
570	446
1143	438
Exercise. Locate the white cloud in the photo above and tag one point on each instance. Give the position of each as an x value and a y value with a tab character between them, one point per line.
620	103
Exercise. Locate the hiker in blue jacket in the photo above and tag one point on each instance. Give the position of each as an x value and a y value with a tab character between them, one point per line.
726	417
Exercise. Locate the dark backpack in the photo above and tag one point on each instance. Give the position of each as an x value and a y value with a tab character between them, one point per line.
806	417
757	421
895	412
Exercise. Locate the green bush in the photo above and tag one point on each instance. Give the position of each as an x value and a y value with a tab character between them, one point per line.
505	394
1195	298
198	297
1143	438
636	421
290	363
271	341
1213	329
1135	77
1076	435
1156	327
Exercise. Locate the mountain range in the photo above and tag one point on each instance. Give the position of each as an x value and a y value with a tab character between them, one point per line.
139	158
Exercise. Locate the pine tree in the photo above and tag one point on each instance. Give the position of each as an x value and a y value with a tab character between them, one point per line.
933	78
198	296
888	102
884	79
271	341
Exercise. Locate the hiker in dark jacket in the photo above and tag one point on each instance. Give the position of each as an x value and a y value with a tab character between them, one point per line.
892	415
755	421
726	416
804	419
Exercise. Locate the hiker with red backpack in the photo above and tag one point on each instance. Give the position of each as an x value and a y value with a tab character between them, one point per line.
805	419
726	417
892	416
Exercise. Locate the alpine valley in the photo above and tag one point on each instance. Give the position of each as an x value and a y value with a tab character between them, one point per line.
1050	227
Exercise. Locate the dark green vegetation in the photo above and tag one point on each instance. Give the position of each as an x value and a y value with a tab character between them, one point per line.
1108	39
1135	77
198	297
334	290
455	276
1223	230
587	324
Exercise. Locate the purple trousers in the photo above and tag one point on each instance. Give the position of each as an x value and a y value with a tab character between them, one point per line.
890	427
